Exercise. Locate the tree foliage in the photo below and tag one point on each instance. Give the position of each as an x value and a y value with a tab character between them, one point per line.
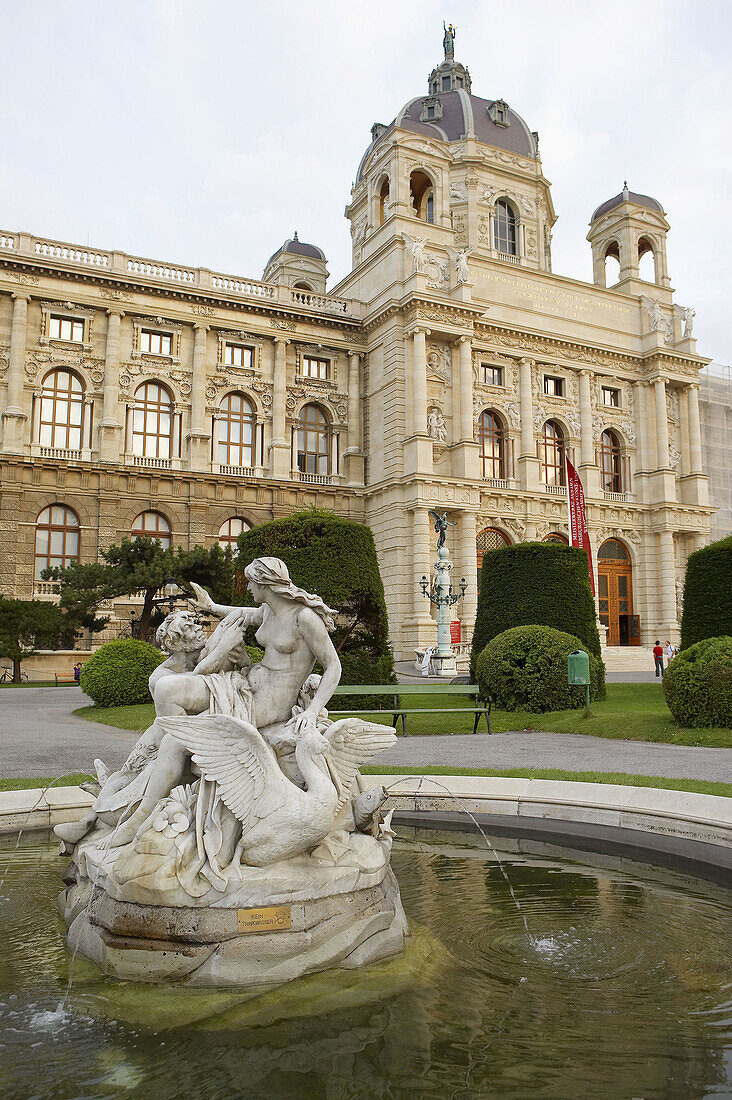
525	668
535	582
29	625
708	593
335	558
117	674
698	684
141	566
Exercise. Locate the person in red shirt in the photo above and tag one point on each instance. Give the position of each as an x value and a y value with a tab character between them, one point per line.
658	657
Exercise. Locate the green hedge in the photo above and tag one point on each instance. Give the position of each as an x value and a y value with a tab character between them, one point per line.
543	583
335	558
708	593
698	684
117	674
525	668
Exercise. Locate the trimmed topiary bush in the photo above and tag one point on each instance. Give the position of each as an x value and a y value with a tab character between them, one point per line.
698	684
543	583
708	593
525	668
336	558
117	674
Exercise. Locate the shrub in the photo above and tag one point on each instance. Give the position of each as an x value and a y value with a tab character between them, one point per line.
543	583
525	668
117	674
698	684
708	593
255	653
335	558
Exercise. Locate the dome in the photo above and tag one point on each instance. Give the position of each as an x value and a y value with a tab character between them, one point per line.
450	112
297	247
627	196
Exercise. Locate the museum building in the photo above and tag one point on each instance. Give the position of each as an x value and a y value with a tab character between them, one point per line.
451	369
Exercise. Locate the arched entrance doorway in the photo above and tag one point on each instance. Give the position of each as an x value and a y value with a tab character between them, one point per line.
490	538
615	591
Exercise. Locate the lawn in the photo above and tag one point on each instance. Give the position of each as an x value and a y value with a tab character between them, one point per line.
631	712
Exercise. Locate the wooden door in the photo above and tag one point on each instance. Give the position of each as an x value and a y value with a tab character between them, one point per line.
615	594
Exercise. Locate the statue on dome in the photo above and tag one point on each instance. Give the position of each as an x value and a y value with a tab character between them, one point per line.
448	41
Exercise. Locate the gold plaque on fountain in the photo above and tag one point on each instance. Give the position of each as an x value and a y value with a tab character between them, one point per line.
273	918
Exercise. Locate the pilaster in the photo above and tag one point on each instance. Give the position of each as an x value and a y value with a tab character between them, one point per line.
110	428
199	436
14	416
280	447
528	463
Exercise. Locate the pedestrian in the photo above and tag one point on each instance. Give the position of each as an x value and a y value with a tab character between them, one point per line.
658	657
77	672
670	653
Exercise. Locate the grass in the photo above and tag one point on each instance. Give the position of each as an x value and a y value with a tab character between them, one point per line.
695	786
30	684
631	712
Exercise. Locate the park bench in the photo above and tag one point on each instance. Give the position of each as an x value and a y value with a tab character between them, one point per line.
481	706
61	681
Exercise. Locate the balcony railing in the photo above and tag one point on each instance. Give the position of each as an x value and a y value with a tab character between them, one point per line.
152	463
234	471
59	452
495	483
314	479
556	490
507	258
159	271
619	497
46	590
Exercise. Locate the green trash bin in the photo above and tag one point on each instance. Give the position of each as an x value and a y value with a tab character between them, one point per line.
578	672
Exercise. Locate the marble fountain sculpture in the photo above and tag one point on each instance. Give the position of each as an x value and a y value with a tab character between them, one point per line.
236	846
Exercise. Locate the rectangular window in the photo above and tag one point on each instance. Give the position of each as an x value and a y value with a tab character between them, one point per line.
314	368
611	397
430	112
553	387
66	328
446	83
236	355
492	376
156	343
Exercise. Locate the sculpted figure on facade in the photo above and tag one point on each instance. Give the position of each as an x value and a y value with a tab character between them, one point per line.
460	259
448	41
687	315
656	319
436	426
416	244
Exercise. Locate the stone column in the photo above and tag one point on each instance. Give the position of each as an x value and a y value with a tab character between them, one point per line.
467	607
419	381
426	631
662	456
110	429
14	416
695	448
587	449
466	390
354	453
528	462
280	448
199	436
667	579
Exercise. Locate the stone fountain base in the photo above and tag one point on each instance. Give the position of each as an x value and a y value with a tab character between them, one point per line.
270	926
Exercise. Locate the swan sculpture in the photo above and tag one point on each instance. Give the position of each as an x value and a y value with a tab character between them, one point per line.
279	819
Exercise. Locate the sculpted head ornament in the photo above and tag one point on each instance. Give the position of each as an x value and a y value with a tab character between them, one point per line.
272	573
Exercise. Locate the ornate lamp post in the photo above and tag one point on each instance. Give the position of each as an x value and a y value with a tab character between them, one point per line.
443	598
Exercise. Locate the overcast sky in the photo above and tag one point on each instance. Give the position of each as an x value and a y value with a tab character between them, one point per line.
206	132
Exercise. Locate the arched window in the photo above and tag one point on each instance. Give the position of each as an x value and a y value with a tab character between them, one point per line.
504	228
423	196
612	264
62	411
646	261
612	550
229	532
235	431
490	538
154	526
152	421
551	454
383	201
57	539
313	441
492	440
556	536
610	462
303	286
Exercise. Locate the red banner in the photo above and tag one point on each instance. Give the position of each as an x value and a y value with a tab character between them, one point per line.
455	632
578	533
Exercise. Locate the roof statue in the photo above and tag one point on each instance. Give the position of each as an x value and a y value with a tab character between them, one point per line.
448	41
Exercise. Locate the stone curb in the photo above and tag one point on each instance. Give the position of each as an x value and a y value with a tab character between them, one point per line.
34	809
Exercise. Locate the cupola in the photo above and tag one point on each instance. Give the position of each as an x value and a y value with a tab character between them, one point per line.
299	265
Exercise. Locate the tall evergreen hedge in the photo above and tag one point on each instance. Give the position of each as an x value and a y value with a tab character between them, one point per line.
544	583
708	593
335	558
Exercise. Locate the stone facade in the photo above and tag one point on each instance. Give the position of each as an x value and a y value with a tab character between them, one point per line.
451	311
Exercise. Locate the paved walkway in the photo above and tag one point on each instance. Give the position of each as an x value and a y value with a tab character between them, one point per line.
40	735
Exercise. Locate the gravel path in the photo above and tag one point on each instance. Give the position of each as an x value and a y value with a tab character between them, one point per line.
40	735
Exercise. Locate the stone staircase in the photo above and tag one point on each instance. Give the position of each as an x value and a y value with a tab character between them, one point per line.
627	658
